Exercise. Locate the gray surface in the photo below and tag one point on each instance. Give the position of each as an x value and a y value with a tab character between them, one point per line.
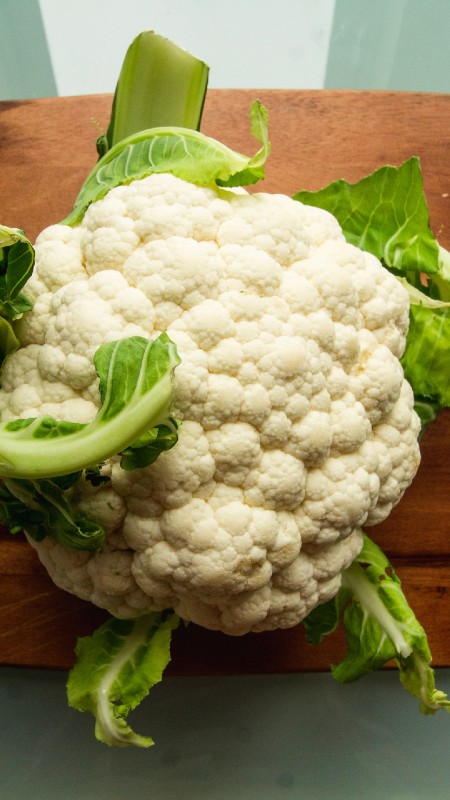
292	737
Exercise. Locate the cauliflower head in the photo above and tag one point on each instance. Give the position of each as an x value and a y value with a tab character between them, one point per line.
297	424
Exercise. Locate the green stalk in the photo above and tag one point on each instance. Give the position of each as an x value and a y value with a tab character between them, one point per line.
27	454
160	84
136	390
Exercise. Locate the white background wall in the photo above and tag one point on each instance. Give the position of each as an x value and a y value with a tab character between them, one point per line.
246	43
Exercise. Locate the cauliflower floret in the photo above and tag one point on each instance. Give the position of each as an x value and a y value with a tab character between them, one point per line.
58	259
297	424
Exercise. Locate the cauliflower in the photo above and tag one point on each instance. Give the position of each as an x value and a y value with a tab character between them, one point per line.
297	426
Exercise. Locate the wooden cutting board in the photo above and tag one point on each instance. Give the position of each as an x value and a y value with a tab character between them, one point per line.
47	147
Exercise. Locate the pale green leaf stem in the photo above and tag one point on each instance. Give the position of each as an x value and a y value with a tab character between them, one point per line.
116	668
188	154
136	389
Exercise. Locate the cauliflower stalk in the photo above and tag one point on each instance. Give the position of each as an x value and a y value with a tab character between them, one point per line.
296	424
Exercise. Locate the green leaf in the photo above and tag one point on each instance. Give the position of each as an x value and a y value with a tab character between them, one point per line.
16	264
116	668
427	410
379	626
15	309
427	355
43	427
426	358
46	456
16	267
136	388
420	297
254	170
95	477
8	339
386	214
42	509
439	283
160	84
148	447
185	153
322	621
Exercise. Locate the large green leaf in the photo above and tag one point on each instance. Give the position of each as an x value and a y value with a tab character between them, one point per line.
385	213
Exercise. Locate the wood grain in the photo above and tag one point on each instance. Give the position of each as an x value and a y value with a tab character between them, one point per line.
46	149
